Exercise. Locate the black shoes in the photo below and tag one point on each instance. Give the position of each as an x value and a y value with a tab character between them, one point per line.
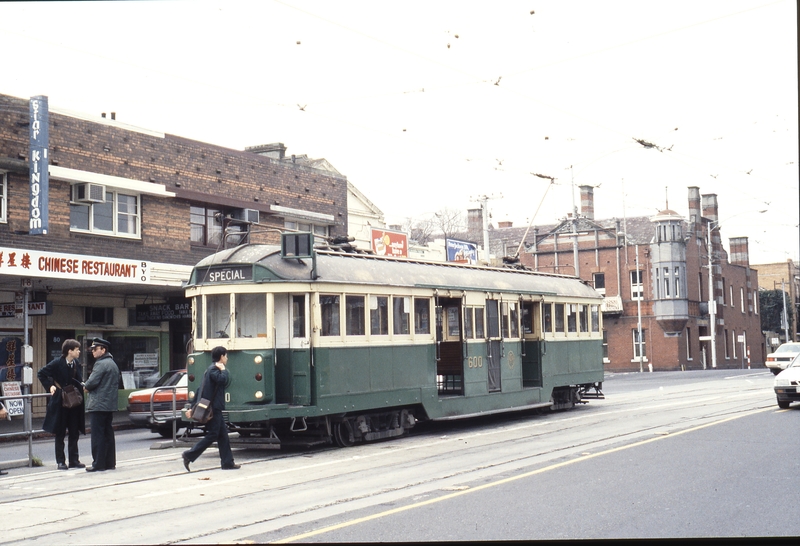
77	465
62	466
93	469
234	466
186	462
3	472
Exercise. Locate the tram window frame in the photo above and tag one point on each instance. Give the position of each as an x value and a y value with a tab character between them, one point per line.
583	319
215	314
298	302
250	314
559	323
355	325
422	316
401	316
469	323
547	312
505	319
378	315
595	310
513	309
198	317
330	306
480	323
528	324
453	326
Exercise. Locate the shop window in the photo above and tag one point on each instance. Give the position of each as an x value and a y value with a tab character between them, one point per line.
138	360
99	315
118	215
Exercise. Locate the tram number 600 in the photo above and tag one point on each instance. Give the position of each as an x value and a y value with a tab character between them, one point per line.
475	362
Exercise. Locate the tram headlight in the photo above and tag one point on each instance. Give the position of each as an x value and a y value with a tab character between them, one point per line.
191	395
190	360
258	359
259	395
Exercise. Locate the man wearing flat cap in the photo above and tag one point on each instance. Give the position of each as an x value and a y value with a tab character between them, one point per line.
102	386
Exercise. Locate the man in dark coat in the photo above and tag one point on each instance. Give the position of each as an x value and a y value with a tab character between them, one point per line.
59	420
103	387
216	377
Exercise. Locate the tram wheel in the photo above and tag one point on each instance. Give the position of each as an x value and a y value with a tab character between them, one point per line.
343	434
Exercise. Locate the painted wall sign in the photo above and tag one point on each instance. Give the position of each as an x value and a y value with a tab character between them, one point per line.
156	312
8	310
54	265
462	252
389	243
39	163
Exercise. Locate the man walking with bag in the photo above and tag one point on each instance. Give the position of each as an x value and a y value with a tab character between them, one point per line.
103	387
213	387
58	374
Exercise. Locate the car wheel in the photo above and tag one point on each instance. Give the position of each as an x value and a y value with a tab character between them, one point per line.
783	404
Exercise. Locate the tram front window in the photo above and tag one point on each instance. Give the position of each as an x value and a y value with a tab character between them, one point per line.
218	316
251	315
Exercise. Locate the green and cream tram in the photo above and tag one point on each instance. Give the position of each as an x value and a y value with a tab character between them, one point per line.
325	345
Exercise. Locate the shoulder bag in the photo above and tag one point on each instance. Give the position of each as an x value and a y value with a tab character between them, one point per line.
201	412
70	396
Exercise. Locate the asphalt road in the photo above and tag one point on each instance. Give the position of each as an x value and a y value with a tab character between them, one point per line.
665	455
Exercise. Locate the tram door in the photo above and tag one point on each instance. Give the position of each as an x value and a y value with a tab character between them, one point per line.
494	343
449	347
532	344
293	354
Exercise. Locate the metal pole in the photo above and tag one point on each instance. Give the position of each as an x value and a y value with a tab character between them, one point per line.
785	322
639	311
712	303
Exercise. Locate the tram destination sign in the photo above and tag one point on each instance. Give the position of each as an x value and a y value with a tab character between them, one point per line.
157	312
215	275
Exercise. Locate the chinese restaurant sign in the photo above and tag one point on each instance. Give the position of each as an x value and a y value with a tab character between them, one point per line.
54	265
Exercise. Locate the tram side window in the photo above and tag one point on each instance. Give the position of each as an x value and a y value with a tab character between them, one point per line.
480	332
422	316
595	318
504	317
469	328
527	318
329	310
572	317
513	308
354	315
548	317
559	311
584	319
218	315
251	315
298	316
379	315
400	308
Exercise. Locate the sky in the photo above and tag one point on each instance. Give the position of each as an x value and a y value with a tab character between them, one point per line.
431	105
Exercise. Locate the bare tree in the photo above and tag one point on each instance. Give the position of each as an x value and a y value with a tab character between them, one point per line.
450	221
420	230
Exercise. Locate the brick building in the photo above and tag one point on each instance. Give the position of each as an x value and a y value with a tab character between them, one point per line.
655	268
104	247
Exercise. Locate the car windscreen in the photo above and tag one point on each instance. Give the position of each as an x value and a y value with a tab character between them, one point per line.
169	379
789	348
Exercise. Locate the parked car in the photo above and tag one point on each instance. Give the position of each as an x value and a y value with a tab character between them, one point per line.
782	356
161	418
787	384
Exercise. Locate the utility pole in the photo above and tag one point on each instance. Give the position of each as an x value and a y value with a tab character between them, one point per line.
574	227
483	200
712	302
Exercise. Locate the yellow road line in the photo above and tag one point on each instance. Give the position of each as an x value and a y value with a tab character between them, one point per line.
507	480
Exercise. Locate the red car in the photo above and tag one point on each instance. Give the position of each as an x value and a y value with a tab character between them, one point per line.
161	417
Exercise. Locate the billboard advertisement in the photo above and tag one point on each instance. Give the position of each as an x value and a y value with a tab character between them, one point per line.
462	252
389	243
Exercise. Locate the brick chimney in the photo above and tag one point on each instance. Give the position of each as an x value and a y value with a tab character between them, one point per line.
275	150
504	224
710	207
475	223
694	205
587	202
740	251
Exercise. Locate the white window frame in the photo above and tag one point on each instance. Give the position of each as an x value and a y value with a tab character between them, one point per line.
111	195
319	230
635	336
637	294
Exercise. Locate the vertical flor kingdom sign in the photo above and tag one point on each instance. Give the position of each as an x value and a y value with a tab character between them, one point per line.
39	174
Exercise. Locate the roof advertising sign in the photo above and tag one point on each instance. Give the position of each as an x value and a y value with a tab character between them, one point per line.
389	243
462	252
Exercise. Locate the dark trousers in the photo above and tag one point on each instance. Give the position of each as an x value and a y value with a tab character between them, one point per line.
216	430
69	421
104	449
